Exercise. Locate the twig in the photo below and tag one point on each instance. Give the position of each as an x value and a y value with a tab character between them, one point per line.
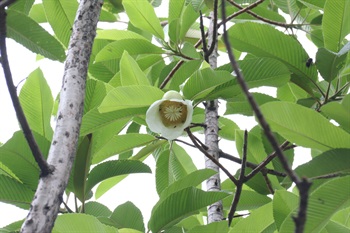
213	42
6	3
171	74
285	25
203	34
328	176
241	180
302	184
194	140
45	168
268	182
251	165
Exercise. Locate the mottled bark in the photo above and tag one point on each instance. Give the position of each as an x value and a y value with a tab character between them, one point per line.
48	196
215	211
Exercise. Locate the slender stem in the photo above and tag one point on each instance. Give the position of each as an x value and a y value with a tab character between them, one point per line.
45	168
213	42
171	74
203	35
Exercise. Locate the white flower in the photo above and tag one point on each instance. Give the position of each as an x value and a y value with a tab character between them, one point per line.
170	115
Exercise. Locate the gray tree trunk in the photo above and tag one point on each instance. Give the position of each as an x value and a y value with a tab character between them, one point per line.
48	196
215	211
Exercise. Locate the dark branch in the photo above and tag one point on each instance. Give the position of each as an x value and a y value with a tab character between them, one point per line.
203	35
213	43
241	180
6	3
43	165
171	74
302	184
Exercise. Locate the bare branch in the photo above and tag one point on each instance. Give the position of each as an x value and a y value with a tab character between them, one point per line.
302	184
171	74
45	168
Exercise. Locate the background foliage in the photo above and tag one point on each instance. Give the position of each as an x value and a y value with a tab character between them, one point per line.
311	109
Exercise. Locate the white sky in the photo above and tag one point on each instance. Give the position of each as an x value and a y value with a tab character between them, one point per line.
138	188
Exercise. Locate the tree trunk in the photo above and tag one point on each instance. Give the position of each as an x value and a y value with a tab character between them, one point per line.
48	196
215	211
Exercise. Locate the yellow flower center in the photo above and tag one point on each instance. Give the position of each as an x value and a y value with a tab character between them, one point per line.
172	113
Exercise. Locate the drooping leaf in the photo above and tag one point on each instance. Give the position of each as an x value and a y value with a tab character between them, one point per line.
179	205
130	72
335	23
125	97
23	6
37	102
37	13
304	126
142	15
114	168
61	14
284	208
127	215
265	41
76	222
31	35
115	49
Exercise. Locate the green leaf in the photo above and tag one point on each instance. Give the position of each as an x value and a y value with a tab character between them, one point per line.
74	222
240	105
227	129
119	144
191	180
291	93
37	102
202	82
97	209
265	41
37	13
329	63
116	49
115	34
179	205
254	223
27	32
136	96
19	159
288	6
334	161
214	227
23	6
127	215
172	166
109	169
13	192
339	112
183	73
284	208
142	15
130	72
94	120
336	227
95	91
335	23
81	168
61	15
304	126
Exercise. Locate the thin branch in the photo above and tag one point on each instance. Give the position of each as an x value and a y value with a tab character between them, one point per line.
328	176
171	74
285	25
194	140
6	3
45	168
203	35
265	162
213	43
241	180
268	182
302	184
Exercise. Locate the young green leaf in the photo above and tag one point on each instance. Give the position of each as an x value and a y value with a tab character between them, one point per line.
127	215
329	63
130	72
142	15
37	102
